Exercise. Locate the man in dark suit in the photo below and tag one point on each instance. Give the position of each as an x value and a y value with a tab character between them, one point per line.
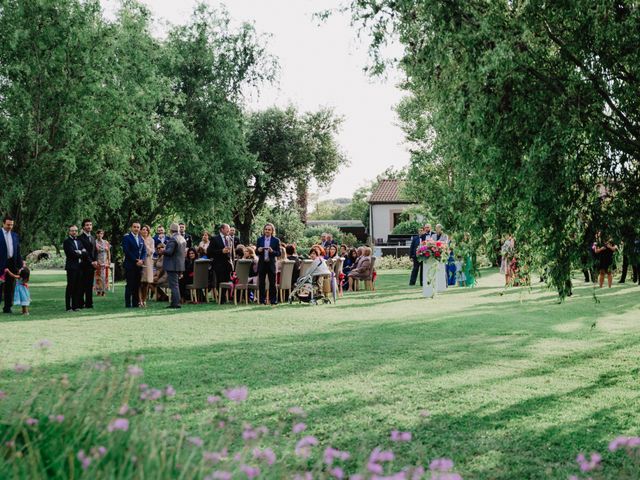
220	251
187	237
89	263
234	237
417	265
160	237
134	255
173	262
72	247
268	250
10	258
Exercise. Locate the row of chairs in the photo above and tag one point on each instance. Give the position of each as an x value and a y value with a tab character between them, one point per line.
243	269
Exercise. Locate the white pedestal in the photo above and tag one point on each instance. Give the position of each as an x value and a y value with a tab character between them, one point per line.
441	277
429	274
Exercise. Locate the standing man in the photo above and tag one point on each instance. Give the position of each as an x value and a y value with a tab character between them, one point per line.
417	265
219	251
160	237
268	249
173	262
234	239
134	255
9	259
73	250
185	235
428	234
89	263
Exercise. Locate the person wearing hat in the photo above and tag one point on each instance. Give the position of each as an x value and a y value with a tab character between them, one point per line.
173	262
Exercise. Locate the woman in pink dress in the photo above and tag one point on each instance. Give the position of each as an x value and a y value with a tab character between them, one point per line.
103	249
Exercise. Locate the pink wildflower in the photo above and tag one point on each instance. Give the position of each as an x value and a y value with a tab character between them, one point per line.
101	365
417	473
237	394
169	391
177	416
84	459
21	368
303	447
357	476
152	395
215	457
118	424
588	465
197	441
297	411
299	427
267	455
441	465
330	454
56	418
250	472
378	455
337	472
303	476
31	421
621	441
124	409
134	371
249	434
101	451
159	408
397	436
43	344
393	476
213	399
3	395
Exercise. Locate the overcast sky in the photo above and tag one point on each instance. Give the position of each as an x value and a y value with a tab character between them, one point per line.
321	64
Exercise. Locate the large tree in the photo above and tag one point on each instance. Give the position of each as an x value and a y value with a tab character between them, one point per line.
518	110
289	151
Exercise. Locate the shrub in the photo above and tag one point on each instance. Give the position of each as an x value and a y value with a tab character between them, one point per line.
394	263
408	227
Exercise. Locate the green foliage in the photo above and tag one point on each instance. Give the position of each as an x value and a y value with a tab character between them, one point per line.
390	262
407	227
289	150
520	116
289	227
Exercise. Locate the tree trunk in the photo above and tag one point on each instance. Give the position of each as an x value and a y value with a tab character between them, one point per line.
302	199
243	227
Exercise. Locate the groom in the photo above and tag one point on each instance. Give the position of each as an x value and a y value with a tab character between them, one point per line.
417	265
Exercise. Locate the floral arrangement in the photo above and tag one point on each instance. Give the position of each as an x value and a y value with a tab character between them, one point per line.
432	250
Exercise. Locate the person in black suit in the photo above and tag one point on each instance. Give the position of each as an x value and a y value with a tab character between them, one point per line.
185	235
10	259
234	238
135	254
220	251
89	263
73	250
417	265
268	250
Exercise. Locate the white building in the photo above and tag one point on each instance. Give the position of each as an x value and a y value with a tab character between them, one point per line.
386	204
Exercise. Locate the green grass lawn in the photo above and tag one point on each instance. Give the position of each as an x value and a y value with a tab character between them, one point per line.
516	384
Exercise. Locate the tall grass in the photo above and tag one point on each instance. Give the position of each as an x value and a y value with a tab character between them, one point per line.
104	422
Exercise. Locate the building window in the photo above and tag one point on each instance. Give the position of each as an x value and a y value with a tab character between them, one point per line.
396	219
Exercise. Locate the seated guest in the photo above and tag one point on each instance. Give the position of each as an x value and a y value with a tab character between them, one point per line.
344	250
239	252
362	269
332	255
348	264
187	276
160	277
250	254
204	243
319	266
293	256
185	235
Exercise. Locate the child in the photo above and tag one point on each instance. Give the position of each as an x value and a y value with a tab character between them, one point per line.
21	294
460	276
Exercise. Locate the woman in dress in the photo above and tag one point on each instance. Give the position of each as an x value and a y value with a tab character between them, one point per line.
604	259
204	243
160	277
103	249
147	267
507	251
187	276
362	269
332	255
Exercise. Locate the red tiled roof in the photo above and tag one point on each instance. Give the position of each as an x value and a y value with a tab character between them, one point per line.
389	191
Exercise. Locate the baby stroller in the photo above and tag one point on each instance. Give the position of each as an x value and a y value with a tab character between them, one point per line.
308	288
